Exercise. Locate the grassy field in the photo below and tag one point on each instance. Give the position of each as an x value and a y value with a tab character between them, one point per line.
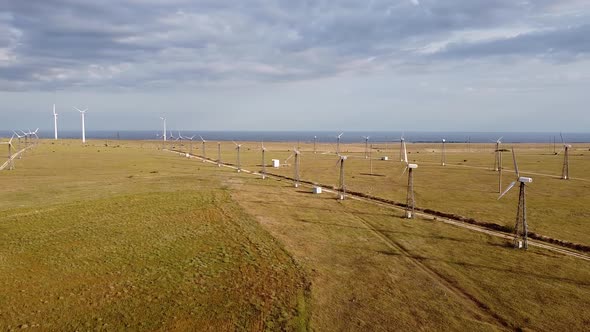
467	186
124	238
127	236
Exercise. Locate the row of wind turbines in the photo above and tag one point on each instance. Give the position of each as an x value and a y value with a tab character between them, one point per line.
82	117
520	229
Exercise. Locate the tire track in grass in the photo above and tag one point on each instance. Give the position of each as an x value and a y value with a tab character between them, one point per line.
480	308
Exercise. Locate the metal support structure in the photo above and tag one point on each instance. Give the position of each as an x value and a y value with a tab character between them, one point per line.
497	157
297	161
443	160
218	154
371	160
500	167
263	172
239	165
315	139
565	171
410	199
521	227
342	186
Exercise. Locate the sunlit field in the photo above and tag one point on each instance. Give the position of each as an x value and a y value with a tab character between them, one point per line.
128	235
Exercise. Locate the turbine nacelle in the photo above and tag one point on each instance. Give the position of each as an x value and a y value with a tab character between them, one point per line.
524	179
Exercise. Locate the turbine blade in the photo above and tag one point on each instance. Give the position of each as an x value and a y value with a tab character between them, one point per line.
515	164
562	141
507	189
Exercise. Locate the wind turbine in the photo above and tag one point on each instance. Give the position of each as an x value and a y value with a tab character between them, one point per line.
521	227
35	133
402	149
218	154
203	141
565	171
315	138
26	138
19	143
10	161
338	143
498	156
366	146
295	154
82	113
297	163
263	172
341	180
191	143
238	148
54	122
443	160
164	120
410	198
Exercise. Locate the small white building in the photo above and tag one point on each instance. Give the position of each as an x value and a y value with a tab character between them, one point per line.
317	190
386	158
276	163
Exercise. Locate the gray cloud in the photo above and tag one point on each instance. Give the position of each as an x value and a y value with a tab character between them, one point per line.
61	44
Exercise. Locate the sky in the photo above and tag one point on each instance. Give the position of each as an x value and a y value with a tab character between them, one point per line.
426	65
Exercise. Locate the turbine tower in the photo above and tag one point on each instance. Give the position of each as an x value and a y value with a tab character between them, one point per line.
520	228
82	113
342	187
19	143
54	122
366	146
203	141
443	160
10	161
263	162
410	198
402	149
238	148
218	154
315	139
297	161
565	171
164	120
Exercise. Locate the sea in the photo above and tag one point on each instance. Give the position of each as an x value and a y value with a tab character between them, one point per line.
328	136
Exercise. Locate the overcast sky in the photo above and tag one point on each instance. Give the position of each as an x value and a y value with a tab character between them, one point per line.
448	65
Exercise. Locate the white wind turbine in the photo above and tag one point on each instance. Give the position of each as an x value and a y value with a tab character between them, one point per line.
218	154
238	163
19	143
498	155
191	143
54	123
82	113
164	120
521	227
410	197
366	146
263	172
10	160
443	160
315	139
203	141
338	143
402	149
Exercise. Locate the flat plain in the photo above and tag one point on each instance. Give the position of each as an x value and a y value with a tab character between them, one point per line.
123	234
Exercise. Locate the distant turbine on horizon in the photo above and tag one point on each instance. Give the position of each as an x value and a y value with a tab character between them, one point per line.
82	113
54	122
